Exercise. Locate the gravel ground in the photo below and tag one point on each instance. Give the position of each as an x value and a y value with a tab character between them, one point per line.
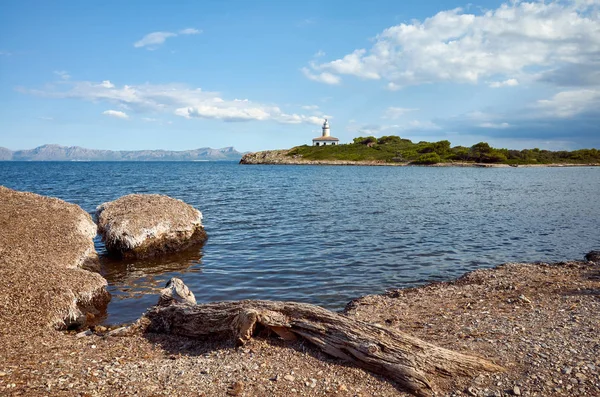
539	321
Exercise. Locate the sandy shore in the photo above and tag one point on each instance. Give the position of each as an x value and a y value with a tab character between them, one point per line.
280	157
539	321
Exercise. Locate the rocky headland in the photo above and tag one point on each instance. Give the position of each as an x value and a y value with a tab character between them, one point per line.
142	225
283	157
537	321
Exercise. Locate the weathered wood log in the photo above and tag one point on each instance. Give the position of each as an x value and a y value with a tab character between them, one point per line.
409	361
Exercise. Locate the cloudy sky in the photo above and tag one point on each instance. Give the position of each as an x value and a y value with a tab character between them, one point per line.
263	74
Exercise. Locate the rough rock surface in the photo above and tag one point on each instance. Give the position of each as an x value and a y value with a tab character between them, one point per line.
593	256
44	243
141	225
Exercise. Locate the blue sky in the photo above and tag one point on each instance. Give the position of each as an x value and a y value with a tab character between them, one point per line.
263	74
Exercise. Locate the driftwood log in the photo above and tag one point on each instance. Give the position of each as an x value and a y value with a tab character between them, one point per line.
409	361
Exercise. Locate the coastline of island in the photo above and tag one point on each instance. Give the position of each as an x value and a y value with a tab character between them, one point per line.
288	157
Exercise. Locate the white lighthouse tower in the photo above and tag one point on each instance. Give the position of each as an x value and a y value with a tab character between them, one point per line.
326	138
326	128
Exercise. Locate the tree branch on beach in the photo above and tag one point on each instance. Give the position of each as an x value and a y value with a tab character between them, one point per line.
409	361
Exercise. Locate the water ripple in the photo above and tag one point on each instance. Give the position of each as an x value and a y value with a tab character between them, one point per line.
326	235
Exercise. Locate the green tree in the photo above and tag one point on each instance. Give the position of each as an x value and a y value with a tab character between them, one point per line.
428	158
389	140
479	151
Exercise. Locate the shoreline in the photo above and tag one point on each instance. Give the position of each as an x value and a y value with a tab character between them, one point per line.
537	320
279	157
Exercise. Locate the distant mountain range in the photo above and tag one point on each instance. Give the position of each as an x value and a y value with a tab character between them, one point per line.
76	153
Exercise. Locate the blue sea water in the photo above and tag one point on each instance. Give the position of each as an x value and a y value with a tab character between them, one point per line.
328	234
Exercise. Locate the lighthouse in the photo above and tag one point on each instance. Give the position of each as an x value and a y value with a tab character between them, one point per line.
326	139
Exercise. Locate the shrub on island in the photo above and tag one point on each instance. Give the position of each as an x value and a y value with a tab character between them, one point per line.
428	159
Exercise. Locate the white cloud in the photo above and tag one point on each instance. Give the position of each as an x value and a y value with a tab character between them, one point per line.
494	125
324	77
396	112
107	84
116	114
505	83
455	46
310	107
567	104
153	40
62	74
190	31
176	99
319	54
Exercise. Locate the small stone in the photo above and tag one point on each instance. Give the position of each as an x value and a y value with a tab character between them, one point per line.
2	374
235	389
471	391
567	370
524	299
516	391
84	334
289	378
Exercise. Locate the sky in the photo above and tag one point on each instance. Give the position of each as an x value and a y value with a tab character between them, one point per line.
256	75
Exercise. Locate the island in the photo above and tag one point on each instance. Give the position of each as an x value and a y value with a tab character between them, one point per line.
394	150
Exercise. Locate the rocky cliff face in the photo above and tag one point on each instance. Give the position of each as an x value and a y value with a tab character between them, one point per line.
76	153
281	157
268	157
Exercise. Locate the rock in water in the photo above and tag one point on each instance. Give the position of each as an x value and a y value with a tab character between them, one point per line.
593	256
142	225
177	291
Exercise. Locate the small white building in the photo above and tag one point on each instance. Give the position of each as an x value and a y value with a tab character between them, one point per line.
326	138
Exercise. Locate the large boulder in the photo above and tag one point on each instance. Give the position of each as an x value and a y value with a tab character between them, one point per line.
45	246
142	225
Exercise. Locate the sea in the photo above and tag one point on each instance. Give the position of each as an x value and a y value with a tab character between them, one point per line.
328	234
